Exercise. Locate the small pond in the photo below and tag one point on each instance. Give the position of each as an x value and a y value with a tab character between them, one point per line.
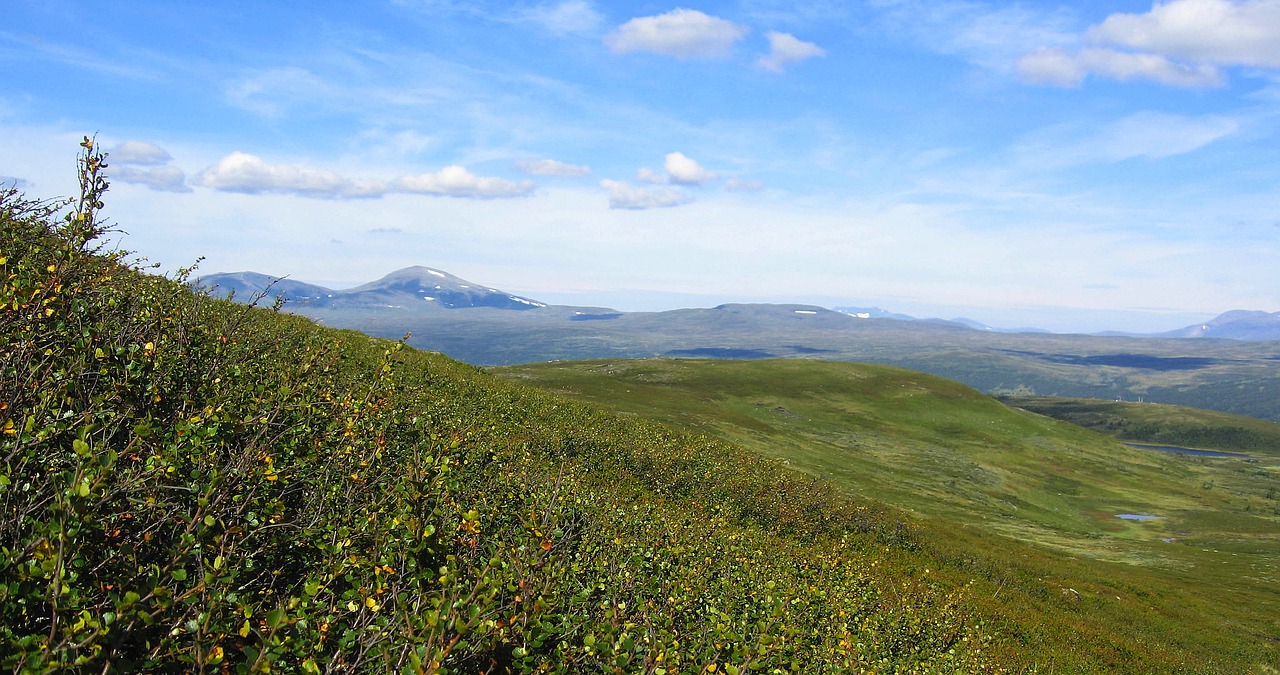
1135	516
1187	451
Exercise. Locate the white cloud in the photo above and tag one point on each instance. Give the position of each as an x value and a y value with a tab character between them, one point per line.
570	16
685	170
162	178
456	181
1058	67
1212	31
551	167
623	195
245	173
785	49
138	152
1181	43
684	33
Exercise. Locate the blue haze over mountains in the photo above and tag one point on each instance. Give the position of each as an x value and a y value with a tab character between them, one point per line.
420	289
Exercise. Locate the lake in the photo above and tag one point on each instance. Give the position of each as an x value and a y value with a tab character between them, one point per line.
1188	451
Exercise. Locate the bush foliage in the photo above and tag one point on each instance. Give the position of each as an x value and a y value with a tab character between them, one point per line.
194	485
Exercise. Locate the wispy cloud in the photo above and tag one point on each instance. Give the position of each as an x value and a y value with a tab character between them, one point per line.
570	16
739	185
1149	135
270	93
92	59
683	33
623	195
989	37
786	49
551	167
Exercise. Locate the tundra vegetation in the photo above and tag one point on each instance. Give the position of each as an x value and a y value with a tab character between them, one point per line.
190	484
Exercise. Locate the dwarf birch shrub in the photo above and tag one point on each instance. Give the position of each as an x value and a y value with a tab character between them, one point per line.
193	485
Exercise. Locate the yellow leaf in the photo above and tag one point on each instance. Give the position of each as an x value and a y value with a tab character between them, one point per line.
244	630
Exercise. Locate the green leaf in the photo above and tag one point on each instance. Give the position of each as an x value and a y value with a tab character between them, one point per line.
179	574
80	447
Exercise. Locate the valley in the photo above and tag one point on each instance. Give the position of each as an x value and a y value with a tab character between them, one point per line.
983	477
485	326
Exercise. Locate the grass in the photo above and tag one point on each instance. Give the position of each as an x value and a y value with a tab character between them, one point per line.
1013	483
190	485
1157	423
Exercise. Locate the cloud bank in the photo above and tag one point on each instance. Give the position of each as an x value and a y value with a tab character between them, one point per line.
248	174
1181	43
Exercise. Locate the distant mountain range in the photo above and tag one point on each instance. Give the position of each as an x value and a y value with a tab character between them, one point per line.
424	289
417	288
485	326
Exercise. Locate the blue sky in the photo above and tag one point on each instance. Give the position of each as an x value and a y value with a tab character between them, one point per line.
1072	166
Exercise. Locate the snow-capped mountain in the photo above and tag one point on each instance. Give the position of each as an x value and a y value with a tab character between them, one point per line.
410	288
255	286
1238	324
414	285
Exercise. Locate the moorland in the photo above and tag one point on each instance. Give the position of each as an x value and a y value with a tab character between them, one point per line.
191	484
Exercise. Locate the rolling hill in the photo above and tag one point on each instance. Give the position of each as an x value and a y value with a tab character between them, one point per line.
189	484
1182	533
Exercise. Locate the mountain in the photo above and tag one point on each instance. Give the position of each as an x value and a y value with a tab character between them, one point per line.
414	287
418	285
249	286
487	327
872	313
1238	324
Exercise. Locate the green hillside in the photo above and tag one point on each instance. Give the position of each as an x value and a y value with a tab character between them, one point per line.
1157	423
987	480
190	485
1229	375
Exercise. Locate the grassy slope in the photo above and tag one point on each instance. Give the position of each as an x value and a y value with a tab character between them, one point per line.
189	485
946	452
1232	375
1157	423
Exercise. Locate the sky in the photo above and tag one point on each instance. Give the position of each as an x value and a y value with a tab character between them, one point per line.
1077	167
